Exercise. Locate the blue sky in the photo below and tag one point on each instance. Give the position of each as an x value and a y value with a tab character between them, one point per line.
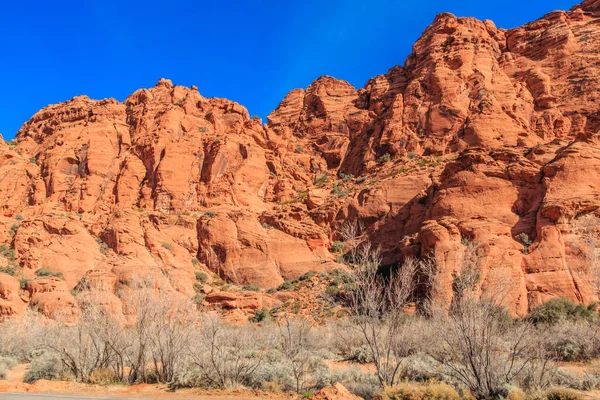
252	52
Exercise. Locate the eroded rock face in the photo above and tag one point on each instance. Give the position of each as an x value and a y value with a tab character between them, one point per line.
483	135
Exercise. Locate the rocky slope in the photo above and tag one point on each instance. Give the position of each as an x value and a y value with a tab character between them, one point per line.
484	135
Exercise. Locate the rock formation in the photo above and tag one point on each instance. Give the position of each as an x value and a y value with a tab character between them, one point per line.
485	135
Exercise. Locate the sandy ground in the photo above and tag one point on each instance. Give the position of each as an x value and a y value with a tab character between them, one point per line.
13	387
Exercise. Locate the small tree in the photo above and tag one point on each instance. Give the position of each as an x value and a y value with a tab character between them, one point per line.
478	342
227	356
377	304
294	341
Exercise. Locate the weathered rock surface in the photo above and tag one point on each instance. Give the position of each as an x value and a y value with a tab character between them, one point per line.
335	392
484	134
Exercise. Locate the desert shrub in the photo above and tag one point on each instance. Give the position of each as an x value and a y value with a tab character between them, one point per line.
359	383
346	177
103	376
198	298
273	373
6	364
525	241
562	394
19	336
209	214
321	179
44	272
44	365
201	276
361	354
515	393
167	246
338	191
298	149
7	252
262	315
387	157
9	270
567	379
103	246
227	356
19	217
306	276
251	288
337	247
23	283
287	285
429	391
573	341
420	367
256	118
558	309
333	291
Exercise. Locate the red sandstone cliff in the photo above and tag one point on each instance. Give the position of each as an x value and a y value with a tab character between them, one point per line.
485	134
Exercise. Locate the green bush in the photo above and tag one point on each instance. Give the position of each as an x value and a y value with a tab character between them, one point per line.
261	315
411	155
44	365
333	291
167	246
338	191
7	252
23	283
44	272
299	149
19	217
103	246
209	214
557	309
201	276
287	285
9	270
337	247
525	241
321	179
6	364
387	157
198	298
251	288
306	276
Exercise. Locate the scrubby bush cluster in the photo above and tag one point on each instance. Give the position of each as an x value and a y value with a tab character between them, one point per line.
467	346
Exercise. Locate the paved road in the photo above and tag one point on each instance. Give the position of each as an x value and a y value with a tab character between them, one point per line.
41	396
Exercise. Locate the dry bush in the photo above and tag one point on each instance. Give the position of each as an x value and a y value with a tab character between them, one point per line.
6	364
572	340
377	303
227	356
295	342
480	346
21	335
429	391
358	382
562	394
44	365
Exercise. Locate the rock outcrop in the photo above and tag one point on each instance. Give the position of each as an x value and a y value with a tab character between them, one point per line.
484	135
